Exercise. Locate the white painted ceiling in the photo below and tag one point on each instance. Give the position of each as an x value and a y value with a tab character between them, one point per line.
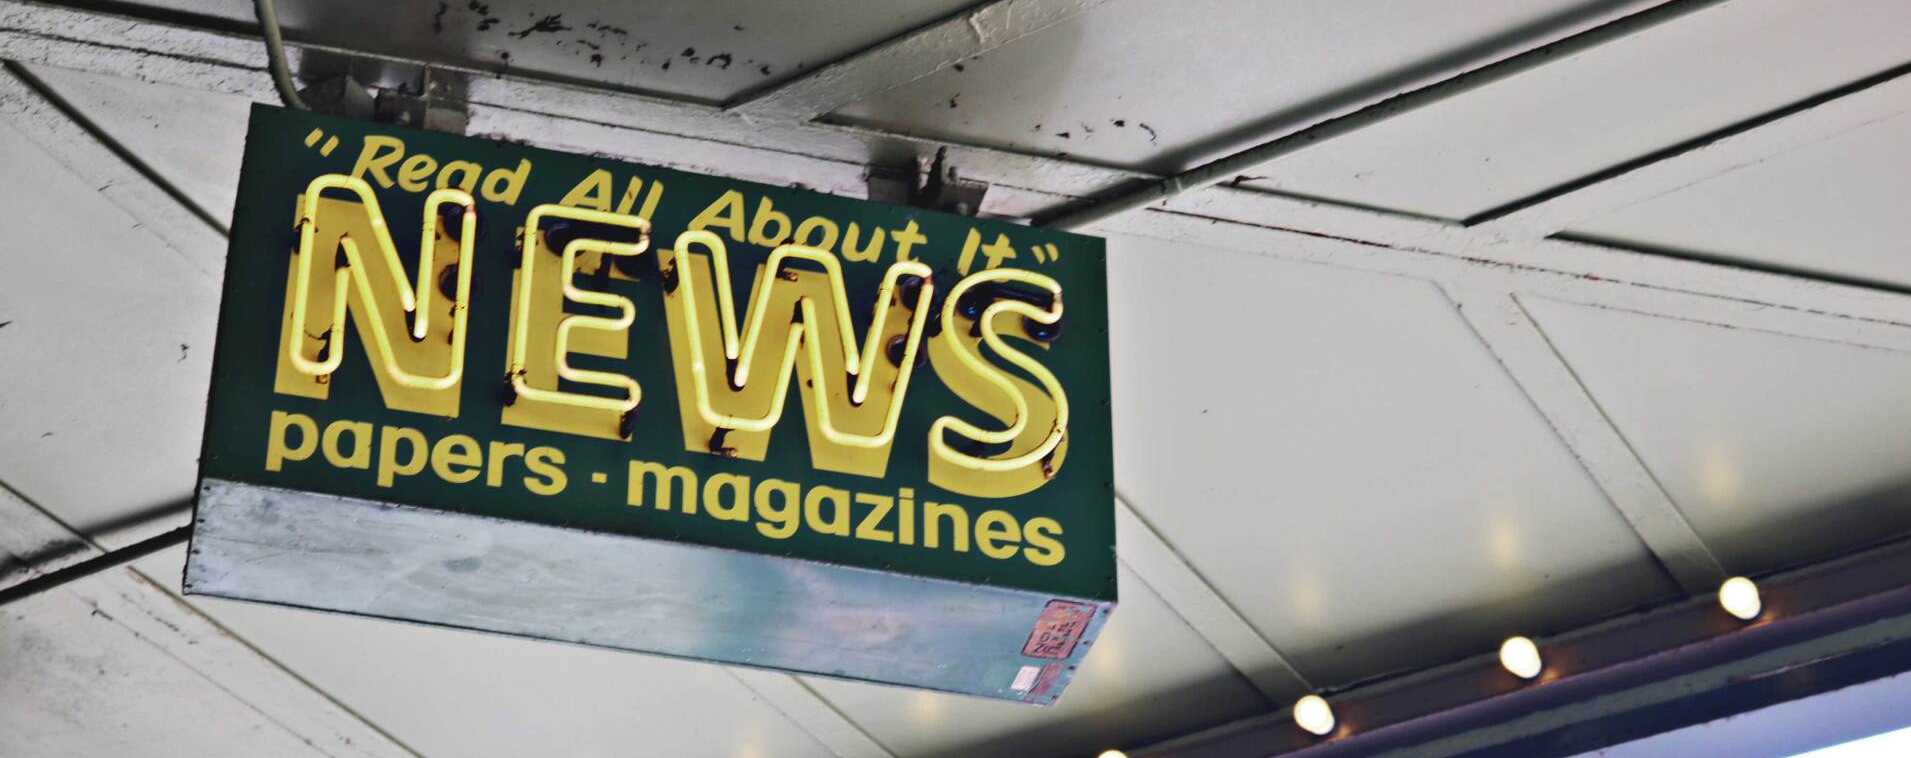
1325	447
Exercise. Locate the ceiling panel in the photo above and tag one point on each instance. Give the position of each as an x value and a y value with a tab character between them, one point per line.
1777	449
105	351
77	683
1578	116
708	50
1150	677
191	137
1160	86
1833	208
1344	460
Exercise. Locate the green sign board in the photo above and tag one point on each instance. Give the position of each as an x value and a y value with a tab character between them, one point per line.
479	384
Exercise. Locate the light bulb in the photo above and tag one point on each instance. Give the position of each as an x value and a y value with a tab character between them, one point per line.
1520	656
1315	715
1739	596
1112	754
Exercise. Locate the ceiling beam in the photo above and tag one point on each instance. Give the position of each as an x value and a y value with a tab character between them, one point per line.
1808	122
834	158
810	712
904	59
1580	272
1142	549
1529	357
26	106
1378	110
146	606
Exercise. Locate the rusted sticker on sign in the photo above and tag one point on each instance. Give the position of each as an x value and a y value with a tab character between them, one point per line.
1059	628
1046	679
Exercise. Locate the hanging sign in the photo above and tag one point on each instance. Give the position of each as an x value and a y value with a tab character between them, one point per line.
477	384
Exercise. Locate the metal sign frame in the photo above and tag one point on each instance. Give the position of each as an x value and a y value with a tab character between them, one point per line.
482	385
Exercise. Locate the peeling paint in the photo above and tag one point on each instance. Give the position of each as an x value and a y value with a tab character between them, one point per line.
550	24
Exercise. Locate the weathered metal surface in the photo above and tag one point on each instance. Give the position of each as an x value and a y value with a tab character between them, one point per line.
399	562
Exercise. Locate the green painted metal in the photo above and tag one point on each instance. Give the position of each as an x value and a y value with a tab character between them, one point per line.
286	150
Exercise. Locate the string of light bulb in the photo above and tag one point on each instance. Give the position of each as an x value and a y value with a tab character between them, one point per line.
1519	655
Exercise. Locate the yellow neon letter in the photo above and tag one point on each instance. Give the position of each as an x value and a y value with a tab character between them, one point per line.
420	373
853	397
537	361
1037	418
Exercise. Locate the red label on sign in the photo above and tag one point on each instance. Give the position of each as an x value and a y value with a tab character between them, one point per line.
1059	628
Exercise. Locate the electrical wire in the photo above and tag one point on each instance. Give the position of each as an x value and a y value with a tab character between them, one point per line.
275	53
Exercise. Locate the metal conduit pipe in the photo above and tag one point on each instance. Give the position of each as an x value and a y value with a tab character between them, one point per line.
94	565
1379	110
275	54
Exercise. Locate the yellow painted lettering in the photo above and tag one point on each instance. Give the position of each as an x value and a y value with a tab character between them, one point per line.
361	455
997	535
1043	549
503	186
377	157
738	507
593	192
838	521
390	439
278	450
685	479
543	461
725	213
456	459
778	522
414	173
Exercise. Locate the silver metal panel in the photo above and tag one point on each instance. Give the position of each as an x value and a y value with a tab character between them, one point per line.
1162	86
1777	449
1834	208
413	564
1344	460
448	692
1613	104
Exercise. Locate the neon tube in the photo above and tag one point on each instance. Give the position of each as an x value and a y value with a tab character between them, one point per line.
633	394
415	298
858	363
938	444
